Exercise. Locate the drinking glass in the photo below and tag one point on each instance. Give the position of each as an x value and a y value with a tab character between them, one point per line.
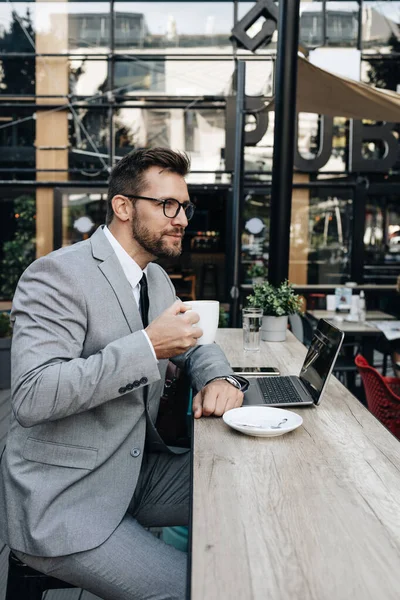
252	319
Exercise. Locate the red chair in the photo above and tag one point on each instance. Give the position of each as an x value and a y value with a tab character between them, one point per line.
383	395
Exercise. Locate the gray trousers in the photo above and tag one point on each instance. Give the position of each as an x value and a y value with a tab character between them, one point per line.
132	564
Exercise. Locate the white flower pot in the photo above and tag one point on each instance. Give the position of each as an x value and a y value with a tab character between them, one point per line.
273	329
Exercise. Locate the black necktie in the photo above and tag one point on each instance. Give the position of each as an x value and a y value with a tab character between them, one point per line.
144	301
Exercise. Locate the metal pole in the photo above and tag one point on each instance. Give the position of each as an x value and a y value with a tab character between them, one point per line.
237	192
111	99
357	249
360	27
324	22
284	140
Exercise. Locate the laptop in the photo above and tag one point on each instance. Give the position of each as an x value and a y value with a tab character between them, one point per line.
306	389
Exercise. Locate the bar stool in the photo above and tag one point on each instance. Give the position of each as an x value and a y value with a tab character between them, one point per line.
25	583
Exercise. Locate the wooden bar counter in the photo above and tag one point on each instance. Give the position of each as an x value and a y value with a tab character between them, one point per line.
310	515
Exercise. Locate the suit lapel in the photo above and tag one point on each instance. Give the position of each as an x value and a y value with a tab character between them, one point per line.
112	271
115	276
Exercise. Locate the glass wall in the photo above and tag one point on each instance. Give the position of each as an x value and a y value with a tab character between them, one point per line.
83	83
382	238
320	237
255	233
171	25
338	26
17	237
82	213
324	249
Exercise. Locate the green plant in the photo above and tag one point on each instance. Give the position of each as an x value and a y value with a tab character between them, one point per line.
223	317
19	252
256	270
5	325
275	301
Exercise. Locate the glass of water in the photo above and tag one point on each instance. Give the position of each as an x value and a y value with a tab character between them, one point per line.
252	319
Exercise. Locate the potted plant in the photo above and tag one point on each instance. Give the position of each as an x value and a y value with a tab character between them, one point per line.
256	272
277	304
5	351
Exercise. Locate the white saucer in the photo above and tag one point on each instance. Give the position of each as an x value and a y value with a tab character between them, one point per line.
257	420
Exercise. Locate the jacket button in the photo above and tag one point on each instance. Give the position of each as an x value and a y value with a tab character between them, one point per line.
129	386
136	383
143	380
135	452
121	390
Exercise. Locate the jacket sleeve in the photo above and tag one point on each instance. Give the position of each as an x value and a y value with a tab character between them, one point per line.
204	363
50	379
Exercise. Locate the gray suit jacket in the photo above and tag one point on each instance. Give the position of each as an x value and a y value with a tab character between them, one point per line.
84	383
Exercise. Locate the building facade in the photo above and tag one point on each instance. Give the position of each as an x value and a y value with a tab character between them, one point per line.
83	83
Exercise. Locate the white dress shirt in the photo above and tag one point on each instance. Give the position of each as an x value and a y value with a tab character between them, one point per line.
132	271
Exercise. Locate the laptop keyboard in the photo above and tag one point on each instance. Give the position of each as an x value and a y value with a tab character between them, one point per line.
278	390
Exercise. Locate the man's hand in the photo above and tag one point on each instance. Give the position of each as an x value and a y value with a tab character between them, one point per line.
172	333
216	398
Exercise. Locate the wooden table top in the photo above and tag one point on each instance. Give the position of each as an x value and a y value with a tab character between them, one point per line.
353	326
309	515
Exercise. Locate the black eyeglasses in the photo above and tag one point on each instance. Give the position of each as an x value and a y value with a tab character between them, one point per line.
171	207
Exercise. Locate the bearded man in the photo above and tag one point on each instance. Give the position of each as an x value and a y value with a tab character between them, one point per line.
84	472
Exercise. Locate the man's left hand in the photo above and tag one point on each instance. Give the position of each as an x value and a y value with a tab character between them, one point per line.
216	398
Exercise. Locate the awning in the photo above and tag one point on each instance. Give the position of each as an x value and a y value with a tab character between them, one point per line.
322	92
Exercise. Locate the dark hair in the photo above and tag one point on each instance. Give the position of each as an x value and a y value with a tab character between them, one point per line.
128	175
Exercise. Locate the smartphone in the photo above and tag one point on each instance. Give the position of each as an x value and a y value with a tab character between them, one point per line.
249	371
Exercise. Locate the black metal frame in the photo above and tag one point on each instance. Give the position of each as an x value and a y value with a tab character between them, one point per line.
237	193
284	140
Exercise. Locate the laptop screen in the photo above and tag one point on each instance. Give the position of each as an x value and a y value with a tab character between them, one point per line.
320	359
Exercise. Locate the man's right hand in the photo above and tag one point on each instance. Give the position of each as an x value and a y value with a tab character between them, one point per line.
172	333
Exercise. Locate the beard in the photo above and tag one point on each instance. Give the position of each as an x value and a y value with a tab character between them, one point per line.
155	243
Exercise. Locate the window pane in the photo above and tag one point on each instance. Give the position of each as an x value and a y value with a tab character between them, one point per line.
310	33
82	214
17	76
382	239
255	233
173	24
259	77
202	132
135	75
88	26
17	137
341	23
17	238
14	19
320	236
89	142
380	25
55	27
182	77
382	71
88	77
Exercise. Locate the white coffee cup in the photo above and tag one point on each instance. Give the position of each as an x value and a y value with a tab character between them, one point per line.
208	311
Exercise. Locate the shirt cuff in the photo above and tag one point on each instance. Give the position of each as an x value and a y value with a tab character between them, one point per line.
150	344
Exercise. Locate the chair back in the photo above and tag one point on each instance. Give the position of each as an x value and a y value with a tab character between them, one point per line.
301	328
297	327
383	395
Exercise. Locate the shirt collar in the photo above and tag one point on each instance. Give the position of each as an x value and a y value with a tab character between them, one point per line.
132	271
